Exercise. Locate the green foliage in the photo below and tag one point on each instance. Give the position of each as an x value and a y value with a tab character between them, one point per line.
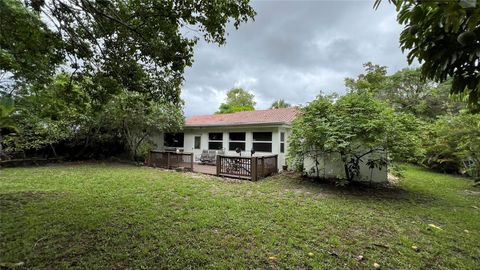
136	45
354	126
278	104
452	144
420	103
49	114
238	100
126	59
310	131
444	36
68	115
7	123
406	91
138	118
29	50
7	108
373	81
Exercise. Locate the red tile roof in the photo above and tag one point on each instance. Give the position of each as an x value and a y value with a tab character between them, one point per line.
273	116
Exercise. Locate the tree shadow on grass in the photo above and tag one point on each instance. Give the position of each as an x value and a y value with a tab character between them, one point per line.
19	199
361	191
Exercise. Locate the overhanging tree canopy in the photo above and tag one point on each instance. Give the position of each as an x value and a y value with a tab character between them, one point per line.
445	37
142	46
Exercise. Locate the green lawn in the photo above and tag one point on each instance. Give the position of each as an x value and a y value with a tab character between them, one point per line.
98	216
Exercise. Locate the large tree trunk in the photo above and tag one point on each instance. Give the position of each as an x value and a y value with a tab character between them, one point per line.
345	166
84	148
347	172
53	150
135	151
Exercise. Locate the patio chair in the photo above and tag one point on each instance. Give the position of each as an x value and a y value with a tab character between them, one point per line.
204	156
212	156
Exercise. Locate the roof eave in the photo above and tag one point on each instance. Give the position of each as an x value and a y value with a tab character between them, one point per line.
237	124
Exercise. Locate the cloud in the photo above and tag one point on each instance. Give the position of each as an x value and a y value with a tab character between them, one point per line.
292	51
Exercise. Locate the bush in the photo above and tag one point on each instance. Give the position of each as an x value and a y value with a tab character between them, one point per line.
452	144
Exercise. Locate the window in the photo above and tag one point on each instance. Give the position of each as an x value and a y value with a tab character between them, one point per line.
262	142
237	140
262	136
215	141
197	144
173	139
217	136
282	142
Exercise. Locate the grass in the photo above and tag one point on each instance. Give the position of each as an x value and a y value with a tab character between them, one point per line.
99	216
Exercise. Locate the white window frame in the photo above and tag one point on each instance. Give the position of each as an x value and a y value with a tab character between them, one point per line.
244	141
270	142
220	141
282	142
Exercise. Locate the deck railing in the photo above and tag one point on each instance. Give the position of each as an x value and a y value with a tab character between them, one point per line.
170	160
252	168
234	166
266	166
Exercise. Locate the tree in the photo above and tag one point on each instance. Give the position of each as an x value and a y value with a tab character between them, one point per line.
141	46
444	36
277	104
372	81
238	99
354	126
452	144
30	50
310	132
7	124
65	119
137	119
406	91
50	114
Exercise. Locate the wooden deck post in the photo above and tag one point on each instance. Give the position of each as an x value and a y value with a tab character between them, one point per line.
168	160
276	164
218	165
191	161
253	169
263	167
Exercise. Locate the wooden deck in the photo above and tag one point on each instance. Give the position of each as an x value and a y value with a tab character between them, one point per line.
212	170
249	168
206	169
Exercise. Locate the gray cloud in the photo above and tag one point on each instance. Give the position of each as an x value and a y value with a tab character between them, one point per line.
293	50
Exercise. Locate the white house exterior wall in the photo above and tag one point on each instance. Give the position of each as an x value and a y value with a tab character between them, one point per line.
190	133
331	166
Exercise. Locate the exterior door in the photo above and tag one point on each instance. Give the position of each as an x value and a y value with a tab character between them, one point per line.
197	142
197	147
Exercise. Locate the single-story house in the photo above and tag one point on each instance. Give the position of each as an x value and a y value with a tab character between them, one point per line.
265	131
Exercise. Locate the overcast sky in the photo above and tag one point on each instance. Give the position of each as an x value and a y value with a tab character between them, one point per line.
292	51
